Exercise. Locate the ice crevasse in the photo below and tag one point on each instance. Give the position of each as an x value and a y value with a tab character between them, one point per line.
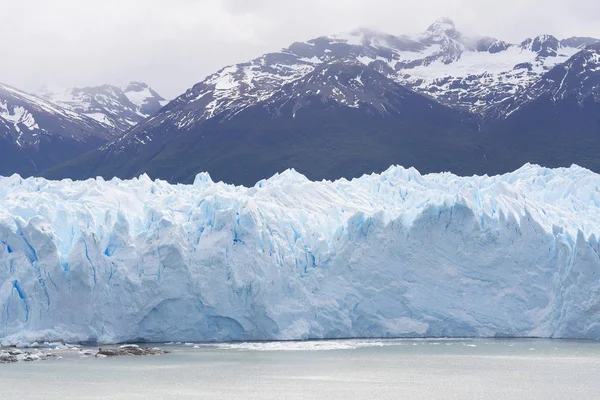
397	254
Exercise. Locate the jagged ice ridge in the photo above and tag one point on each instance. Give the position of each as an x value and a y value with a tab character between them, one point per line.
390	255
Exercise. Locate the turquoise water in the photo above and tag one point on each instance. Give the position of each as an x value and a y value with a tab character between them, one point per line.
353	369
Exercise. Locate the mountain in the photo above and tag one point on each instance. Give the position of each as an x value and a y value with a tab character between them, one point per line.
385	255
309	107
556	121
36	134
116	108
471	74
578	77
341	119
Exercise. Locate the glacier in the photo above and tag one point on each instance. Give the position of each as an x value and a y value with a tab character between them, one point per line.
396	254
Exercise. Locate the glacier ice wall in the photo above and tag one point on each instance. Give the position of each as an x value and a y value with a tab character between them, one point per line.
390	255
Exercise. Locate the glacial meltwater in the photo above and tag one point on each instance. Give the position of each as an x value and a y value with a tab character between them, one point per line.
349	369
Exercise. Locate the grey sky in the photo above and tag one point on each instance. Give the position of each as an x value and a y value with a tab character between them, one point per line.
172	44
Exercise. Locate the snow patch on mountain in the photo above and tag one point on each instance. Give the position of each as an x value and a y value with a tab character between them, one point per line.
395	254
18	116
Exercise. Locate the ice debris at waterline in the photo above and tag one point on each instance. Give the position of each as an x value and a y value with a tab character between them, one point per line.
392	255
54	350
13	356
37	353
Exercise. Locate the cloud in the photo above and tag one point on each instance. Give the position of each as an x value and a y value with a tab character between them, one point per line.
174	44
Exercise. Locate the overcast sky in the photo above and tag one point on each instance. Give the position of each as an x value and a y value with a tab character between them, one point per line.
172	44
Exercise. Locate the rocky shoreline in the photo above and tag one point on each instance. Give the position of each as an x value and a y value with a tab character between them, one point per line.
130	350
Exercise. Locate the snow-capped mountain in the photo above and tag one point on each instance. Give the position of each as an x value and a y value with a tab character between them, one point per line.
467	73
554	122
385	255
118	109
348	83
578	78
342	119
36	134
148	102
306	95
27	119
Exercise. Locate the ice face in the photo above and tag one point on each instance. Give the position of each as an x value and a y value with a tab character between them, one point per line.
391	255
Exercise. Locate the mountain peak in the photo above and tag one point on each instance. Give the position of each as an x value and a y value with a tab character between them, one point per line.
136	86
116	108
442	25
544	45
355	37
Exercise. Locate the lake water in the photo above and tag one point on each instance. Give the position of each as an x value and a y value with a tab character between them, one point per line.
353	369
